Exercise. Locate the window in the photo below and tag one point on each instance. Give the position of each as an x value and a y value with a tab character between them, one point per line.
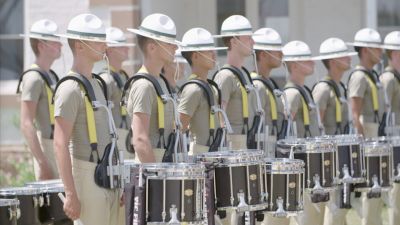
226	8
388	13
11	44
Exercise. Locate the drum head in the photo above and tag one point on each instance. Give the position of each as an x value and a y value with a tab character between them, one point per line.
377	147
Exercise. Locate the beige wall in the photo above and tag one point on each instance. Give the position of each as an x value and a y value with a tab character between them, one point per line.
313	21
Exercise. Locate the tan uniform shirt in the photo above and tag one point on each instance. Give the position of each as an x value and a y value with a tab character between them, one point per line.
325	97
143	99
392	86
230	93
33	89
296	106
358	86
194	103
266	104
114	95
69	103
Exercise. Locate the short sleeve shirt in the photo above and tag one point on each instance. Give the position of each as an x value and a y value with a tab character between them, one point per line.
229	85
325	97
142	98
114	95
392	86
33	88
194	103
294	99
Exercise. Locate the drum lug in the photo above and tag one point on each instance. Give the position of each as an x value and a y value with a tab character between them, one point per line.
35	201
48	199
173	211
41	201
397	178
242	206
280	212
18	213
264	197
346	175
376	188
317	185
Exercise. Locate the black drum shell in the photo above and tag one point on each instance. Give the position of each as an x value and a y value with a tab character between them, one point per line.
53	211
373	166
352	157
5	215
29	213
240	182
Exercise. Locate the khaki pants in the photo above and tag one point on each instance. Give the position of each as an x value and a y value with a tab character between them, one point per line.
394	205
271	220
48	151
122	136
370	129
313	212
195	149
237	141
99	206
333	214
158	153
369	210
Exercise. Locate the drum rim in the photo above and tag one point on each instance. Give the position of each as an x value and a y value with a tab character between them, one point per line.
10	191
9	202
302	145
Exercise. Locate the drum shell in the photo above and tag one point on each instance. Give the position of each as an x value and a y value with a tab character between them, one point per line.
52	210
29	212
241	181
352	156
5	214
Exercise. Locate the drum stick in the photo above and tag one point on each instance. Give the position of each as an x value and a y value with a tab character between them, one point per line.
61	196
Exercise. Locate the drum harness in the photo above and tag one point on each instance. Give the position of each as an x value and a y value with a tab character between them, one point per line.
216	138
338	101
253	134
162	99
49	86
104	175
306	101
272	99
120	84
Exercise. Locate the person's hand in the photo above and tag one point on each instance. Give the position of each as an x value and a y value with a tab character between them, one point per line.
45	172
72	206
122	200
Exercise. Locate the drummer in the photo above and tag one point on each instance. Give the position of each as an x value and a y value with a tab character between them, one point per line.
236	34
268	51
156	39
74	131
194	106
330	95
300	64
115	80
36	86
366	99
391	82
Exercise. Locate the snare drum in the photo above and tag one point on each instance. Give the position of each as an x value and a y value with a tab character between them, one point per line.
238	182
284	182
30	201
53	208
9	211
350	164
378	161
319	156
172	192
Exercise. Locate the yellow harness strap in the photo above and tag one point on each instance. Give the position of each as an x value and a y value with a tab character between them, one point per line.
374	92
272	100
338	106
306	113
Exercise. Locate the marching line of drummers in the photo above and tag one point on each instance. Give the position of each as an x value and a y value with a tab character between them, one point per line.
225	148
